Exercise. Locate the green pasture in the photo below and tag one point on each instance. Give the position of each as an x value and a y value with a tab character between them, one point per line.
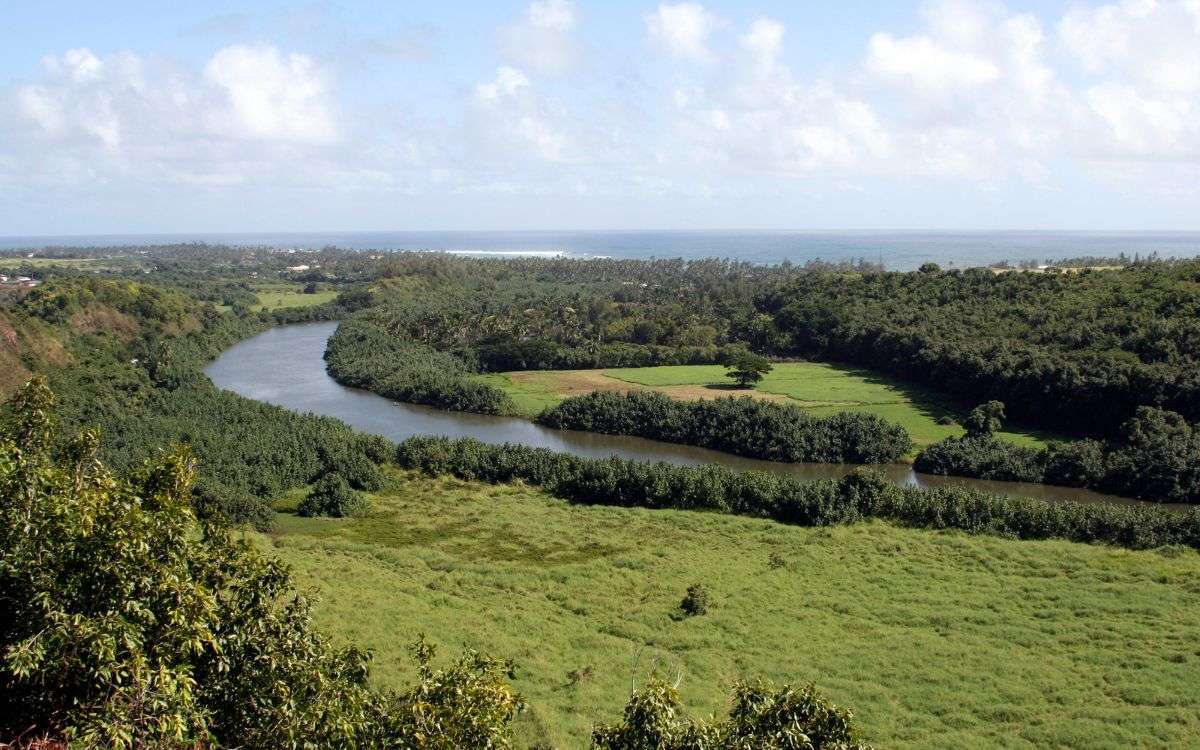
819	387
275	296
291	295
935	639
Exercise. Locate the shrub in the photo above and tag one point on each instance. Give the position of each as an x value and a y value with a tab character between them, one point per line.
1158	458
695	601
332	496
985	419
760	716
363	355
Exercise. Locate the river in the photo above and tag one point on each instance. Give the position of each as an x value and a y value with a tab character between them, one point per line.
285	366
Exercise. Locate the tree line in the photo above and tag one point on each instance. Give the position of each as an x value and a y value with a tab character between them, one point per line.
1078	351
743	426
863	494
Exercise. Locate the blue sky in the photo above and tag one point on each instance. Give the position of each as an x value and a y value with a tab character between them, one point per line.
561	114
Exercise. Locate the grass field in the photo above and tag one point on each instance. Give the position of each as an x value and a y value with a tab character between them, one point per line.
934	639
290	295
12	262
274	296
818	387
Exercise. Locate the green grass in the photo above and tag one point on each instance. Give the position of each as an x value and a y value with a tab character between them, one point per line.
531	397
17	262
935	639
818	387
272	297
275	296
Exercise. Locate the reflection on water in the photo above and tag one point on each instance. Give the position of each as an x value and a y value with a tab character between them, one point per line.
285	366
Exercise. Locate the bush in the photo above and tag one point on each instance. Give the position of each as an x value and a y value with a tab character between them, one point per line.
743	426
332	496
125	625
760	716
695	601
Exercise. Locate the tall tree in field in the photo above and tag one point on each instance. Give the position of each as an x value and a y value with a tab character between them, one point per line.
747	368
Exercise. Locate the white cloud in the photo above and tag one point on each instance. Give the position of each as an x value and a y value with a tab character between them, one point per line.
1156	44
270	96
508	81
975	94
512	120
543	40
683	29
754	116
245	114
929	68
1144	56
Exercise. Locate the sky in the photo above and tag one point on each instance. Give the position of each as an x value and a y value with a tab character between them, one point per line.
126	117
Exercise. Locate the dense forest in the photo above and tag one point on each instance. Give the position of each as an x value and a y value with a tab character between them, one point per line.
1087	352
126	357
1079	351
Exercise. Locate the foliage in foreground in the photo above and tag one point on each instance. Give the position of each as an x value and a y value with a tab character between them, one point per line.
742	426
863	494
761	717
121	626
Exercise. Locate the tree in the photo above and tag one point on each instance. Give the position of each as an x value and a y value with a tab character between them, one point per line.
930	268
746	367
310	287
985	419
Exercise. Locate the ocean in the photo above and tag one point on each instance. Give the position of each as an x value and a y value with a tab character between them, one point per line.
896	250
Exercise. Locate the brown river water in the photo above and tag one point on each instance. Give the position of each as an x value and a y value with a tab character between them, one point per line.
285	366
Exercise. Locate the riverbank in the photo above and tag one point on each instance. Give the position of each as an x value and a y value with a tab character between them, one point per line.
285	366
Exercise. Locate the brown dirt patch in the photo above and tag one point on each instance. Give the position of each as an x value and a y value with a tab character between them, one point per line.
581	382
573	382
696	392
99	318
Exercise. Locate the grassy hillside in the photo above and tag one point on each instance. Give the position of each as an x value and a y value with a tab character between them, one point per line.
935	639
818	387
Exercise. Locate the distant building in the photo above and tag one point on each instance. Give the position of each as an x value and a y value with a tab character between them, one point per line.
298	268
